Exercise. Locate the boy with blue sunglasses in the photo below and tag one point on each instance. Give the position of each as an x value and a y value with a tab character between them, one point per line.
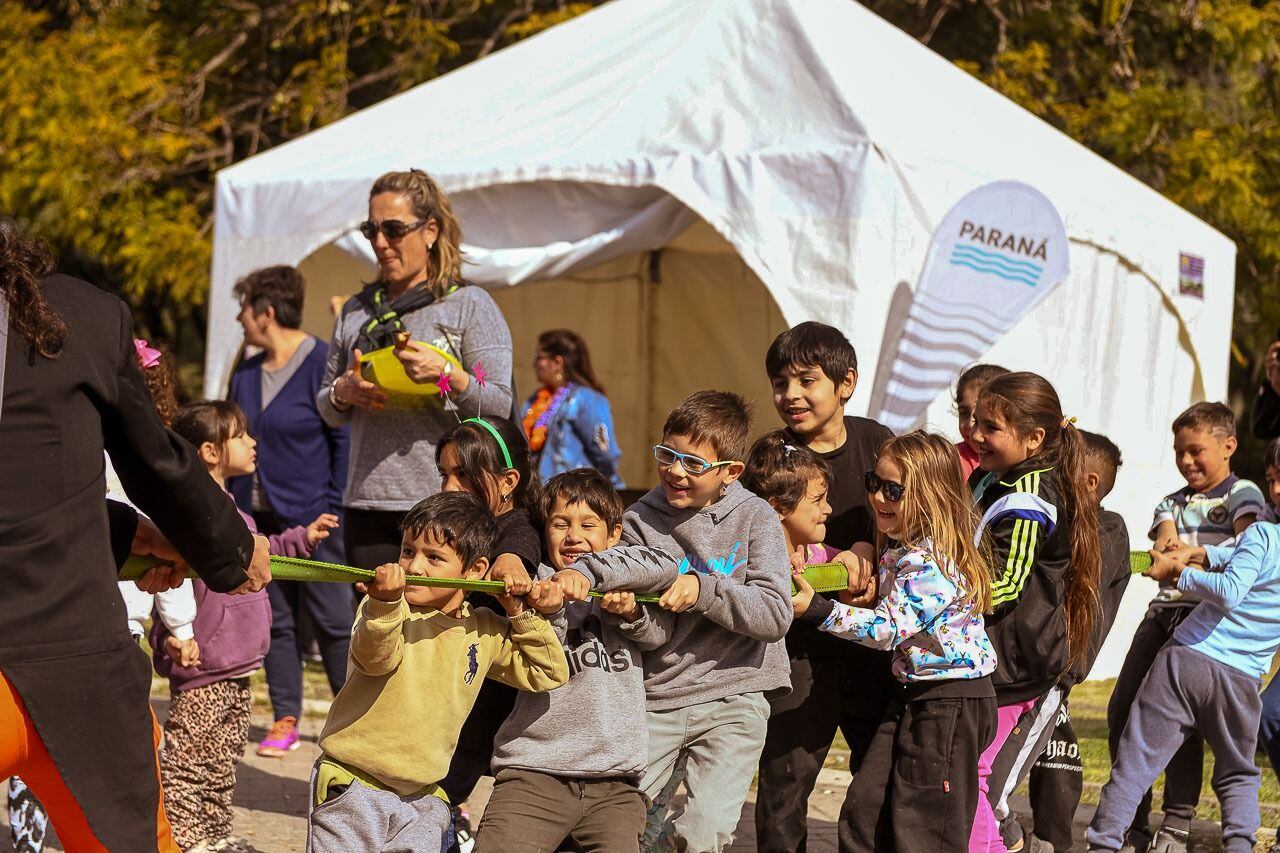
706	680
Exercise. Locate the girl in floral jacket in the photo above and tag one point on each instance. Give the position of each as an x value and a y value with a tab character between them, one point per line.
920	776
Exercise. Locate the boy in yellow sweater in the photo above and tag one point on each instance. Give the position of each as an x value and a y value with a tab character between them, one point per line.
418	658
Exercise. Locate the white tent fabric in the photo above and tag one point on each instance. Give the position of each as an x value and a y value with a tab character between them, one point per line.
684	178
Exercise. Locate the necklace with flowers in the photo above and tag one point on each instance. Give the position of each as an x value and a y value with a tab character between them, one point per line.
541	412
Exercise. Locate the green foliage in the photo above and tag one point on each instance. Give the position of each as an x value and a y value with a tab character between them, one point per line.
1183	95
116	114
86	129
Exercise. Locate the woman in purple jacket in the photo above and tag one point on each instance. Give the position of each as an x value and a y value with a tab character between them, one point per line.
301	474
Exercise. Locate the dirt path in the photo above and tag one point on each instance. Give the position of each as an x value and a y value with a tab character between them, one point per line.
271	802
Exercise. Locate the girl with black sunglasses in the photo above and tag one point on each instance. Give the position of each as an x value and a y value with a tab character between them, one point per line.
920	775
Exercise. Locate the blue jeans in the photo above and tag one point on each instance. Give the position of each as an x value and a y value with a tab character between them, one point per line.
331	609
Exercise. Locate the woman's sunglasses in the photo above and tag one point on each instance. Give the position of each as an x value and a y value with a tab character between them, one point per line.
892	491
692	465
393	229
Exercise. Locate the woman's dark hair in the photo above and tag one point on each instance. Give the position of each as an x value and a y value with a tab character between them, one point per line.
577	358
162	382
24	261
779	470
1027	401
480	458
281	288
214	421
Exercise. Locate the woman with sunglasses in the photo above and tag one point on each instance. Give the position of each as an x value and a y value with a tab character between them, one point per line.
567	421
419	296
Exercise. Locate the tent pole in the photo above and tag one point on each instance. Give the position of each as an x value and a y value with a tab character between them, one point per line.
650	278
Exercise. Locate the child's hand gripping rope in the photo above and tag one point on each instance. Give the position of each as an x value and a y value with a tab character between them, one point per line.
388	583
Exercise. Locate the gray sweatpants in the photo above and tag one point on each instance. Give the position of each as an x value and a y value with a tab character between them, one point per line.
713	748
363	818
1185	693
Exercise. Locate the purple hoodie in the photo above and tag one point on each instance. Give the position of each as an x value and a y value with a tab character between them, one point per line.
234	631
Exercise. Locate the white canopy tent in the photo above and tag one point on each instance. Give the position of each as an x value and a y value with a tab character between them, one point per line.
680	180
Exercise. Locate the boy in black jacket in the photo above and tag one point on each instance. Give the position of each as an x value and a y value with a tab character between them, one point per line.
834	683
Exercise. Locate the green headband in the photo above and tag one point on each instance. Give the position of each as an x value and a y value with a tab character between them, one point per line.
502	445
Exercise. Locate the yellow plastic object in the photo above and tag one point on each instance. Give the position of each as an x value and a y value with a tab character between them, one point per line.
382	368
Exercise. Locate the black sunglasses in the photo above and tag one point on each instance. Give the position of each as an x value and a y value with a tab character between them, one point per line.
394	229
892	491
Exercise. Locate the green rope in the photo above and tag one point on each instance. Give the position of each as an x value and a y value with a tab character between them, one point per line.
825	577
1139	562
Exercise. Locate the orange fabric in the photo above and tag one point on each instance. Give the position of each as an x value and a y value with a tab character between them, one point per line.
23	754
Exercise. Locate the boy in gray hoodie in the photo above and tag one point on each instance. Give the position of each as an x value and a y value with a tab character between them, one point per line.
567	763
707	672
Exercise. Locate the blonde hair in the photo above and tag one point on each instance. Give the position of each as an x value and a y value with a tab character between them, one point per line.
430	202
936	507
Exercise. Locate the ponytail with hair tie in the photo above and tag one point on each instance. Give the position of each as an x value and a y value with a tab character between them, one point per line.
1066	422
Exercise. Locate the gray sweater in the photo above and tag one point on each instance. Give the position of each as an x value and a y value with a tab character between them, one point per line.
393	451
593	726
730	643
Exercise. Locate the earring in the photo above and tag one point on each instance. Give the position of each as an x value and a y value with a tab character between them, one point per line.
505	497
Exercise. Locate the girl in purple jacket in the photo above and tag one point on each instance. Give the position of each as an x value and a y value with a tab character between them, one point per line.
207	728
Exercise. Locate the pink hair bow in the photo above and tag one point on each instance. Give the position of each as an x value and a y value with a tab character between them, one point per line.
149	356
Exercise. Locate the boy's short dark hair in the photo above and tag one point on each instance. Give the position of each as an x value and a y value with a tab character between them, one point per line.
282	288
1102	455
582	485
719	418
1216	418
459	520
812	344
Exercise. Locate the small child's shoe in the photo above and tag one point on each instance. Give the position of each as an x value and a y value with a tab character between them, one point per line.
282	738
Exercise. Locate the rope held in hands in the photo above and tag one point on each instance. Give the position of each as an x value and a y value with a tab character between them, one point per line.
824	577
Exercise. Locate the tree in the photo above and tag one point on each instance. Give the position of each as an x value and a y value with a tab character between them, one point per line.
116	114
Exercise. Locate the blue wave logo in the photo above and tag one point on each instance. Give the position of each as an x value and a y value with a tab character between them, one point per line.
997	264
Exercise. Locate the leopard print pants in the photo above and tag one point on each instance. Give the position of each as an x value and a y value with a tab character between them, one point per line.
27	818
204	739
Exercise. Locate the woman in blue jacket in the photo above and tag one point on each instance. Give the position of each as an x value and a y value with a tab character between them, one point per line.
302	471
568	420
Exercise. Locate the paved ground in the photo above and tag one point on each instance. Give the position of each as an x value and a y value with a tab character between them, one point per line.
271	802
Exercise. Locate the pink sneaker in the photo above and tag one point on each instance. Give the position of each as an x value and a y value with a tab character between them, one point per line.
282	738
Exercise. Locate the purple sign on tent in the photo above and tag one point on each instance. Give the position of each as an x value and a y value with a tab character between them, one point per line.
1190	275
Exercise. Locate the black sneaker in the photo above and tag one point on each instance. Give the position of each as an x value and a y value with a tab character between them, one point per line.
1168	840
